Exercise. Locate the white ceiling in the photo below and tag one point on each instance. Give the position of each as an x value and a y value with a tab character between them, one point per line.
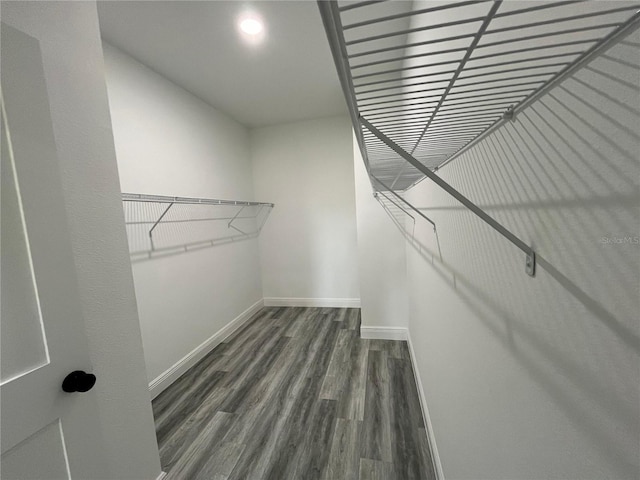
290	76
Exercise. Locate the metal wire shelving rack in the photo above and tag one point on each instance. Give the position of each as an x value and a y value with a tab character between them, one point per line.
425	81
160	225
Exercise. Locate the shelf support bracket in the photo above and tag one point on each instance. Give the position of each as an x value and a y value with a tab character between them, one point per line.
530	263
234	217
156	224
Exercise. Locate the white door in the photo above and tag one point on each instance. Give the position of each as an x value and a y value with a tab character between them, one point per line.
45	432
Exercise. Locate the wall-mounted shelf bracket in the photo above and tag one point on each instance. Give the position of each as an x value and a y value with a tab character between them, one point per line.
166	210
530	265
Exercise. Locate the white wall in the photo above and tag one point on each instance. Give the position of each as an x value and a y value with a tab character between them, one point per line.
538	377
308	248
381	255
169	142
74	71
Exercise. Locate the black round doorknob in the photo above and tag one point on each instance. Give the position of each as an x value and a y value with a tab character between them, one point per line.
78	381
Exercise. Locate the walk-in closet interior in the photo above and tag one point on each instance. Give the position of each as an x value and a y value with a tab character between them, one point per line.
359	239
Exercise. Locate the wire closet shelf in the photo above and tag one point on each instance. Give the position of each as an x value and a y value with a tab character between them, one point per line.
161	225
425	81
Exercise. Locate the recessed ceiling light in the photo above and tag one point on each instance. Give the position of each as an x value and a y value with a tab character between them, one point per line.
251	26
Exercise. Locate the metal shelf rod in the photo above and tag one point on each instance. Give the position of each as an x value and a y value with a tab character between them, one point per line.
436	96
189	220
408	77
426	114
410	13
491	44
359	4
458	123
500	15
413	30
567	31
517	69
459	85
401	131
136	197
454	50
408	57
448	103
417	44
562	19
456	136
478	67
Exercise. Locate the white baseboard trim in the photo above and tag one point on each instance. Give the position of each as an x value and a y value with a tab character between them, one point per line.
425	412
312	302
169	376
383	333
161	476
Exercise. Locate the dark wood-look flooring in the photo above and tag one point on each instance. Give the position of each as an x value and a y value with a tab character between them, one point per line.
296	394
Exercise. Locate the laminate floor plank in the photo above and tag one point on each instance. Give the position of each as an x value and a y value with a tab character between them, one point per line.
296	394
376	470
404	427
267	430
305	408
314	454
376	428
352	319
254	339
397	349
341	314
299	420
344	458
353	390
199	451
254	322
283	316
199	391
334	379
221	461
173	446
297	327
173	397
425	455
257	365
264	389
284	388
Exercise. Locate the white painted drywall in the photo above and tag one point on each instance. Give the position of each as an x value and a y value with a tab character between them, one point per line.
381	255
308	248
74	71
538	377
169	142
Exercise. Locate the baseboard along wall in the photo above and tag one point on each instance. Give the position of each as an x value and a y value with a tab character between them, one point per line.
162	381
312	302
383	333
425	411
